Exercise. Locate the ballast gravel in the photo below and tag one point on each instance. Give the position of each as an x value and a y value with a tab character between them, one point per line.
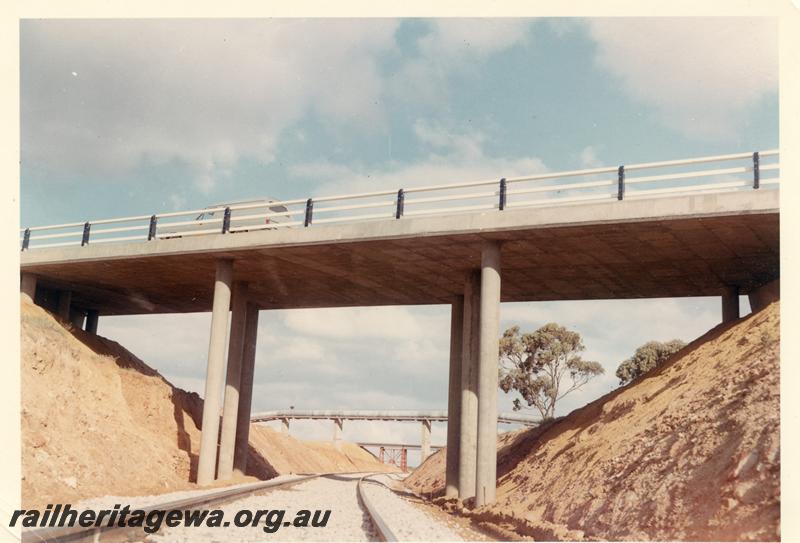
347	521
407	522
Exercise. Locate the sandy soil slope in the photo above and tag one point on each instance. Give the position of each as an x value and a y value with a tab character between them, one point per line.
689	451
97	420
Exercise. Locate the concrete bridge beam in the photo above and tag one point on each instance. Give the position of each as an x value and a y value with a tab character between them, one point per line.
730	304
469	387
230	410
246	390
206	466
27	286
454	397
92	319
425	442
486	474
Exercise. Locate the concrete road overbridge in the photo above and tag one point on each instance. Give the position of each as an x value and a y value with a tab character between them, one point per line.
338	416
717	238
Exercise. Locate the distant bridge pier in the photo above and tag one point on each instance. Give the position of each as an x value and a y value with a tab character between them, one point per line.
27	286
246	390
230	410
337	433
454	398
92	319
730	304
64	303
76	317
206	465
285	426
425	442
468	439
486	474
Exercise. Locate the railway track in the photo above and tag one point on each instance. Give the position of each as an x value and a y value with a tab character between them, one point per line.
379	528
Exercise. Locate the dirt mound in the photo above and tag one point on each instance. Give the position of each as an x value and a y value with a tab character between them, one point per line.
689	451
283	452
96	419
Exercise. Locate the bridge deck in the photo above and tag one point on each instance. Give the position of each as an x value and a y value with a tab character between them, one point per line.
664	247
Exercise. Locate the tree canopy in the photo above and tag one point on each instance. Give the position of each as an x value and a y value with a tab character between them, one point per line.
650	355
543	366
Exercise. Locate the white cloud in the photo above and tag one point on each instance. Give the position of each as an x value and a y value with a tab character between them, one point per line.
701	74
454	45
455	155
204	92
588	157
473	37
389	323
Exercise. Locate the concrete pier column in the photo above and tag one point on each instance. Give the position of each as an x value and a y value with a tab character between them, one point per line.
469	387
285	426
27	286
206	466
730	304
486	475
337	433
76	317
454	398
230	409
92	318
246	390
64	303
425	442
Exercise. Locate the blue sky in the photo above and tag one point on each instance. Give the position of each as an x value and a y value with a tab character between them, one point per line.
132	117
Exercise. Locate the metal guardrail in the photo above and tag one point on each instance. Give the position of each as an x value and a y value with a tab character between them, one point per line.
752	171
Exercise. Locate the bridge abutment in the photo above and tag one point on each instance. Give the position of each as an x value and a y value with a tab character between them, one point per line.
486	473
454	397
730	304
230	408
469	386
206	466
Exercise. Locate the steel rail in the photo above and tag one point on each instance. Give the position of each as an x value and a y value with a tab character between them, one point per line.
384	532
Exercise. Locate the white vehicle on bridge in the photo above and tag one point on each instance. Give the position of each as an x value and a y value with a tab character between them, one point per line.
242	216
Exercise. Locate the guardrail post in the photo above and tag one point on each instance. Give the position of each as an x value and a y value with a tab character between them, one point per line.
309	212
226	221
502	194
756	171
26	239
86	228
401	204
620	182
153	225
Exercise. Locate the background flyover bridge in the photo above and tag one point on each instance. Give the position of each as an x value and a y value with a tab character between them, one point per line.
339	416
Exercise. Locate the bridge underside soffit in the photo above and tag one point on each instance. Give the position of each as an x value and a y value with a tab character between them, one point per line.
653	259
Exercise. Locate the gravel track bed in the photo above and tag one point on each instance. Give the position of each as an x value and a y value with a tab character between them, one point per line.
407	522
347	522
